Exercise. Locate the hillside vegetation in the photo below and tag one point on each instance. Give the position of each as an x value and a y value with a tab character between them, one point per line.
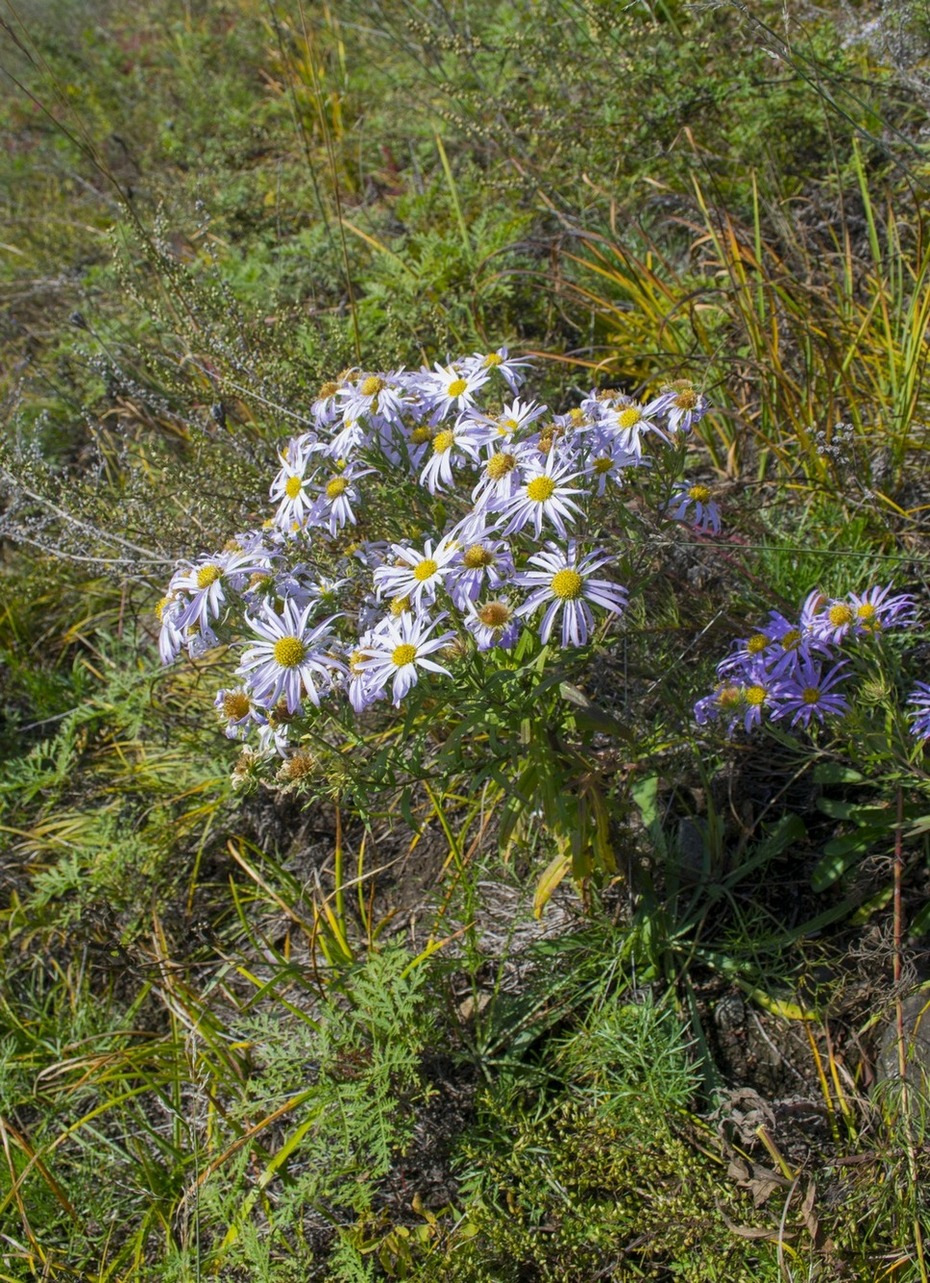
566	922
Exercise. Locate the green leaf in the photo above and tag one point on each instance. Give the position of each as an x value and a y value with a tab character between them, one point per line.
835	863
836	773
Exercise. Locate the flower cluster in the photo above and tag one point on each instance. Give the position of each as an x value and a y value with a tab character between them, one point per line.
516	492
793	668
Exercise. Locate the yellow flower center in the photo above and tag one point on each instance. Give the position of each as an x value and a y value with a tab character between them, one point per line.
700	494
756	644
811	694
208	575
840	615
355	662
603	464
289	651
499	465
403	654
160	608
443	441
456	387
577	416
567	584
492	359
425	570
372	385
235	705
629	417
790	639
399	605
495	614
506	426
540	489
866	612
477	556
328	390
686	399
336	487
420	435
754	695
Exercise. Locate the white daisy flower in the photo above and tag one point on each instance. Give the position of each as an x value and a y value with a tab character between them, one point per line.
205	585
170	634
510	368
565	583
416	575
290	659
448	449
452	388
543	496
373	394
398	649
290	489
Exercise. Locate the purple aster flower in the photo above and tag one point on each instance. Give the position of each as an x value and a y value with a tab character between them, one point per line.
682	405
920	716
693	504
809	693
494	623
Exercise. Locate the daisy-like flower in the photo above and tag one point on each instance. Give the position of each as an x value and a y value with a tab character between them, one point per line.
544	495
359	688
235	707
760	692
290	488
372	394
605	462
693	504
170	634
725	702
495	623
508	367
416	576
809	693
291	658
624	419
452	388
397	650
796	641
323	408
681	404
484	561
919	716
205	585
448	449
511	421
501	475
748	652
332	505
563	582
870	612
743	700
